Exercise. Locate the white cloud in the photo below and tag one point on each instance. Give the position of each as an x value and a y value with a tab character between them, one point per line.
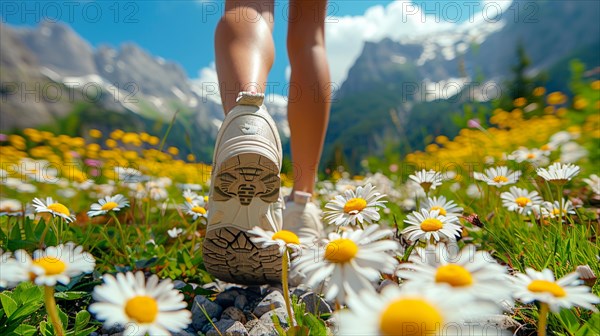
207	84
401	21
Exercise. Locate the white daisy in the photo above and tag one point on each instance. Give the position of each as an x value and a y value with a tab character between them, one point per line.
139	305
534	156
10	207
128	174
427	179
174	232
520	200
558	173
192	197
195	209
350	262
498	176
594	182
56	264
156	190
474	191
5	258
565	292
467	272
431	227
402	312
108	203
560	138
553	210
446	208
55	208
355	207
282	239
11	273
572	152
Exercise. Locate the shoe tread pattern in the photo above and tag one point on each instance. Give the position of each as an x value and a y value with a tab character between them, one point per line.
228	252
231	256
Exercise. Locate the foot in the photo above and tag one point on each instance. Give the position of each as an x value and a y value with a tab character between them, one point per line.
303	217
244	193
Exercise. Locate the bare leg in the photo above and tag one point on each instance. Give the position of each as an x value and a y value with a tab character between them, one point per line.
244	50
308	111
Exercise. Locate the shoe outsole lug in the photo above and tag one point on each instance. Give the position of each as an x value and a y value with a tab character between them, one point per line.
228	252
231	256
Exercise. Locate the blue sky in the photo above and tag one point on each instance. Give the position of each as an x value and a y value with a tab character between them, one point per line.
182	31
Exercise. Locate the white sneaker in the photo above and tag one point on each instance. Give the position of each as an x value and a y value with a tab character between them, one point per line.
303	217
244	193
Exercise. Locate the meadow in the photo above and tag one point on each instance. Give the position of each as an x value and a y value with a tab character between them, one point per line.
499	224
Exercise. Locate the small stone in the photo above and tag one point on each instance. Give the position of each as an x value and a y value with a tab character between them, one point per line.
279	313
184	333
111	329
299	291
213	310
178	284
227	298
234	314
241	302
260	329
315	304
251	323
270	302
228	327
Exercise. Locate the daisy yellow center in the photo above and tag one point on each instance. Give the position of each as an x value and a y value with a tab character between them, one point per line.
454	275
142	309
531	156
341	250
522	201
431	224
51	265
544	286
287	236
437	207
199	209
410	317
500	179
109	206
355	205
59	208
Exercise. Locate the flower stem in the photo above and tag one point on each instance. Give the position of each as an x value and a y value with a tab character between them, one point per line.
194	231
560	204
284	283
43	237
51	310
543	319
119	226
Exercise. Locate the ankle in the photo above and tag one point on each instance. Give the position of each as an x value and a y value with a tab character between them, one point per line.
300	197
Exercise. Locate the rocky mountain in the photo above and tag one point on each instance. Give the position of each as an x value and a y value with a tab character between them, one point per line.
19	72
64	73
417	85
410	89
549	30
